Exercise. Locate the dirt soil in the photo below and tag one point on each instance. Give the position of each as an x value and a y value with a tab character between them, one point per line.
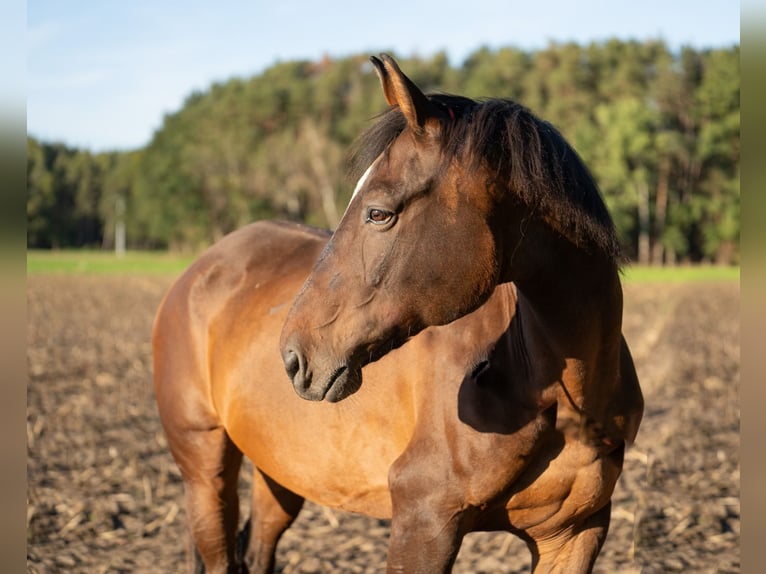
105	496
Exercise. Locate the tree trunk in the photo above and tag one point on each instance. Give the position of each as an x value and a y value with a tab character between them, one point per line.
323	181
660	214
119	227
644	241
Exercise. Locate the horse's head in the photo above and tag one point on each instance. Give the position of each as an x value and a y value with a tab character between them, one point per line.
414	248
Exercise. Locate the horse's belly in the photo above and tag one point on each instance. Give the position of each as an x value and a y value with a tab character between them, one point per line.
337	455
318	462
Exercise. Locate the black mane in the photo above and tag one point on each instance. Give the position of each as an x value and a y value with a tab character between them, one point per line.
527	154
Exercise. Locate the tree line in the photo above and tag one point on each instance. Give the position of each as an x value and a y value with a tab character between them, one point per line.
658	129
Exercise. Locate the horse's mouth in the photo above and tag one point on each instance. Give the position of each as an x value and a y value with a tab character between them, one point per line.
343	383
347	379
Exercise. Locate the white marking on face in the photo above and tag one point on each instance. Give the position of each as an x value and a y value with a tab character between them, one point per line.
360	183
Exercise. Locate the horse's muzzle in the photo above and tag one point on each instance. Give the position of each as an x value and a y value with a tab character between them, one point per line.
334	386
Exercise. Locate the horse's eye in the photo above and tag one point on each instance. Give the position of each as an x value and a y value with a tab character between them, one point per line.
379	216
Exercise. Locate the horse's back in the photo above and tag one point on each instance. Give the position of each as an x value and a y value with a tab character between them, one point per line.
265	251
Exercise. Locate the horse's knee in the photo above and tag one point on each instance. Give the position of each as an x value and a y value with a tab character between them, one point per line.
574	550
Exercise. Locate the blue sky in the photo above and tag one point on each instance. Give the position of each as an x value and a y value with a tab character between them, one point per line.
101	75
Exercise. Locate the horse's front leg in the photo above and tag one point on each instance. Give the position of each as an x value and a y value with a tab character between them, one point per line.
570	541
428	522
441	489
575	550
424	540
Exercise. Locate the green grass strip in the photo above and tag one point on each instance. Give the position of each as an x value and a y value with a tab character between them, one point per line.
680	274
91	262
84	262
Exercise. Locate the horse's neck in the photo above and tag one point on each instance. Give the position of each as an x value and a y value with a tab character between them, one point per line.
571	305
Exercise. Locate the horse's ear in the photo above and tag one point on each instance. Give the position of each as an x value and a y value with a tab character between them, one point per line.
385	81
400	91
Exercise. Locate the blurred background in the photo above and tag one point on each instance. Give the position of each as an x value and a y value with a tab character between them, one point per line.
164	126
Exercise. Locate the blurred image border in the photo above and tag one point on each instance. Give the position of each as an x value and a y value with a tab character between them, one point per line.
13	491
753	285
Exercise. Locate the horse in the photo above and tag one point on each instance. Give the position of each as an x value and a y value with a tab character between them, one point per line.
454	348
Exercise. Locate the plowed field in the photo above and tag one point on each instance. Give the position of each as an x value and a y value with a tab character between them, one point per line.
105	496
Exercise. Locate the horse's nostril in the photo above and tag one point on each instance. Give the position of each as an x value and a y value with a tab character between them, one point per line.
292	363
297	371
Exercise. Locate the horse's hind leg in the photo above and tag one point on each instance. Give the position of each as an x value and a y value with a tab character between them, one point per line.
576	551
209	464
274	509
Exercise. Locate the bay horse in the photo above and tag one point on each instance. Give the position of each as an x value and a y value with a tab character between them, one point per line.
477	237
